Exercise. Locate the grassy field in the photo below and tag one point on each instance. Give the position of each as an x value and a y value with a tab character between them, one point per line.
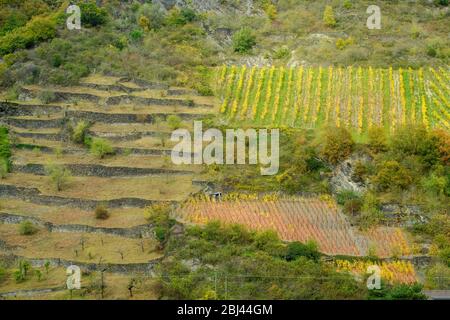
132	161
163	187
357	98
118	218
69	246
115	286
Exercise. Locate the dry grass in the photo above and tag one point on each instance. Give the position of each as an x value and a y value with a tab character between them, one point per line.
39	117
146	143
116	287
163	187
68	246
95	92
134	161
46	143
56	277
100	79
41	130
135	127
130	85
119	217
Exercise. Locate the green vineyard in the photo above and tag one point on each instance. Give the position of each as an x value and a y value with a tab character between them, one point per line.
353	97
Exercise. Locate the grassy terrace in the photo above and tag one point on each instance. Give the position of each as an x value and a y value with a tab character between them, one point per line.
133	161
75	89
103	80
116	286
119	218
164	187
41	130
135	127
147	93
46	143
69	246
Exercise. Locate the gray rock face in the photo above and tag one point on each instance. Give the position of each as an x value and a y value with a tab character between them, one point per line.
342	176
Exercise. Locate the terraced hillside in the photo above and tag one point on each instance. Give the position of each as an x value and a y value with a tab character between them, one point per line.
134	118
302	219
353	97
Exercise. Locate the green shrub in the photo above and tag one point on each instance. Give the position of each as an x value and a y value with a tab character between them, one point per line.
101	212
297	249
174	121
377	140
398	292
391	176
136	35
5	148
154	13
3	168
101	148
243	40
79	132
13	93
281	53
59	175
36	30
159	216
352	207
345	195
3	274
337	145
347	4
46	97
438	276
370	212
177	17
344	43
92	15
328	17
27	228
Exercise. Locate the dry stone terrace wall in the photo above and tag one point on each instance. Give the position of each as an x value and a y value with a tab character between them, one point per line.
127	136
62	96
16	109
142	231
33	195
34	123
30	125
98	170
38	135
125	268
104	117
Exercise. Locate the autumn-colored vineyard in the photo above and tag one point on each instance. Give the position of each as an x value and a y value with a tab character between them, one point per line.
353	97
392	272
301	219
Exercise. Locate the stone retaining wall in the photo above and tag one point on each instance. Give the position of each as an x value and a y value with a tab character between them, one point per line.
33	195
142	231
98	170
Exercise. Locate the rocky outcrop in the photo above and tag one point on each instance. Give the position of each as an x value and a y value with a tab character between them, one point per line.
342	177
